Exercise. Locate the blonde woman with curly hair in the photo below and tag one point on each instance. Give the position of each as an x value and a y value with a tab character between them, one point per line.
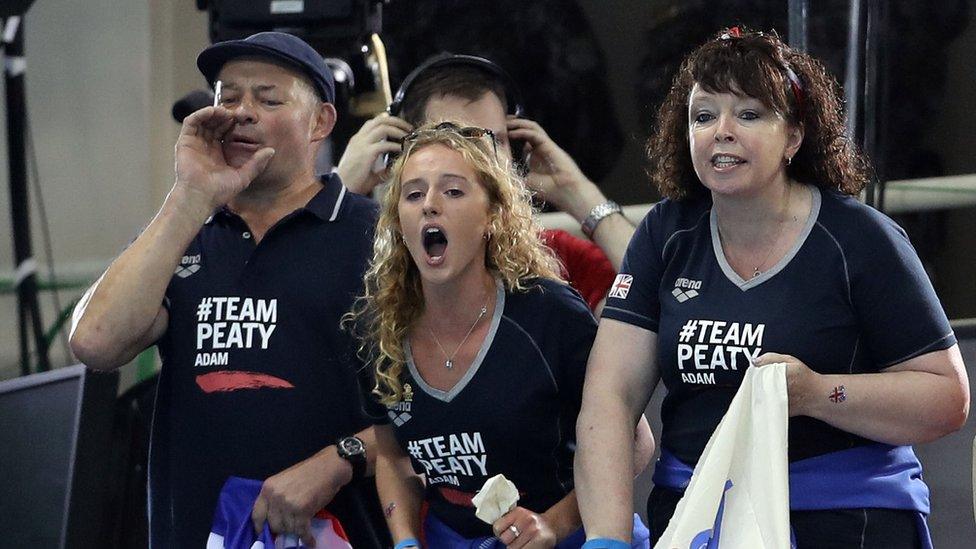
478	348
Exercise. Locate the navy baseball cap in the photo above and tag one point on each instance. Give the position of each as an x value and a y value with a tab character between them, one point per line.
280	46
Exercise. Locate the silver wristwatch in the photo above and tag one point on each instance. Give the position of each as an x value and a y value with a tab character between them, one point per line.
597	214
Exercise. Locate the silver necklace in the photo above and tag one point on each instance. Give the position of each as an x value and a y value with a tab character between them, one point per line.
449	360
755	270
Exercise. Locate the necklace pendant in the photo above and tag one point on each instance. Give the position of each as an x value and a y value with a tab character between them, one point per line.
449	364
756	272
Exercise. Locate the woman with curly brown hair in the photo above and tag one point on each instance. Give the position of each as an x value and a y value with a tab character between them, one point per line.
760	253
479	350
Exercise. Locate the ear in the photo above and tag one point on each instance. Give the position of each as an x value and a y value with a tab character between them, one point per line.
323	121
794	138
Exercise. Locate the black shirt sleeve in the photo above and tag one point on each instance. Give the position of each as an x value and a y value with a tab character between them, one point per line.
898	310
633	297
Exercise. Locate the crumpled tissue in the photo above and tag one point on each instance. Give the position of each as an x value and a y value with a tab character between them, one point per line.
497	497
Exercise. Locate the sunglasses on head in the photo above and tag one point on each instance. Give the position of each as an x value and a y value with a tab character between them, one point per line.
468	132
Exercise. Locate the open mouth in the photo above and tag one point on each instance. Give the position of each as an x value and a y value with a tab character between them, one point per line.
435	243
721	161
243	142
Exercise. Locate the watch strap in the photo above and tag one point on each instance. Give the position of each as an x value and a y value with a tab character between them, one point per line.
598	214
356	459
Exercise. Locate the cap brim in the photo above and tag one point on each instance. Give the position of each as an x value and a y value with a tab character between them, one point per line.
212	59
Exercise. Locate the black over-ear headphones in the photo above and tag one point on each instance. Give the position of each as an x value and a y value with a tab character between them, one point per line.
512	94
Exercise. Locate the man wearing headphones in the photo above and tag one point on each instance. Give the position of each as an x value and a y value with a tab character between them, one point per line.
476	91
241	279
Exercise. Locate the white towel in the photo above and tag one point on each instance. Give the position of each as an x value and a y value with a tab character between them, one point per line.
739	495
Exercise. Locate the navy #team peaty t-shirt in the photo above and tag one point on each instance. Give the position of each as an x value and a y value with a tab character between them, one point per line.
514	412
256	374
850	297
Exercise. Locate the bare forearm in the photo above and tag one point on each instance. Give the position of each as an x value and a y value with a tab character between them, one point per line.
604	461
564	516
908	407
612	234
113	319
620	377
643	445
401	498
291	497
400	489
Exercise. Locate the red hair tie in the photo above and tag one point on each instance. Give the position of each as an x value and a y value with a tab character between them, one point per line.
733	32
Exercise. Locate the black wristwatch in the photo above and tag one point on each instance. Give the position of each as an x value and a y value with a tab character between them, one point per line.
353	450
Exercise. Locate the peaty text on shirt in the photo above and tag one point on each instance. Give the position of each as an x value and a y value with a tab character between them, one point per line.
445	458
233	323
705	346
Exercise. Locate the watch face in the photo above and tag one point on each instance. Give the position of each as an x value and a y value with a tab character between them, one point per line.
351	446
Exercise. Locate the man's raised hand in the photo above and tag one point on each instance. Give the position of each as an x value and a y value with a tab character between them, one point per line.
200	163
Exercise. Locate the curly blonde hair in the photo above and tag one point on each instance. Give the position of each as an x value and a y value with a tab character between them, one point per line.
393	297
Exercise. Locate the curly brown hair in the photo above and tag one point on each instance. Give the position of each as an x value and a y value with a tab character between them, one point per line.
758	65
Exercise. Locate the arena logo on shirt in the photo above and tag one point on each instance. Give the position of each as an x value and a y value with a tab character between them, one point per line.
399	412
233	323
707	346
189	264
621	286
447	458
685	289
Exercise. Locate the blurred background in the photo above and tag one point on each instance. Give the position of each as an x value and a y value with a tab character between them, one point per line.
102	78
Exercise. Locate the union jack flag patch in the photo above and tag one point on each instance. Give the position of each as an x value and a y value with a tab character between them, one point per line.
621	286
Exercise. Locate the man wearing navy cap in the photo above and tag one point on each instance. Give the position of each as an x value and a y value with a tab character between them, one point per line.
241	279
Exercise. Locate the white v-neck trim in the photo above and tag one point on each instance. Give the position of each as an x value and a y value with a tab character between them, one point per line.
733	276
449	395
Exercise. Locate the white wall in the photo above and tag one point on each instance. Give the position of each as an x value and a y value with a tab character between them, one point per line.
101	78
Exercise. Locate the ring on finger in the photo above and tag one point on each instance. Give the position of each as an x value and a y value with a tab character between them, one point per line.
515	530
